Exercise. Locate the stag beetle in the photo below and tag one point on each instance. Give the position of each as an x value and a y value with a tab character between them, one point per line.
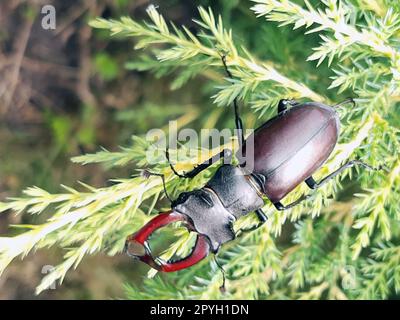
288	149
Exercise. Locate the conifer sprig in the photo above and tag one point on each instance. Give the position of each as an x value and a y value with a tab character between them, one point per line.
346	239
205	49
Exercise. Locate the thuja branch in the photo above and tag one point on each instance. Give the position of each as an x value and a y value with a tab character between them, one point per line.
370	45
212	42
376	204
334	19
97	219
119	202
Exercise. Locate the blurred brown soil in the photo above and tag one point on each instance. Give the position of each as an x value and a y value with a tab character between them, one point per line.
46	72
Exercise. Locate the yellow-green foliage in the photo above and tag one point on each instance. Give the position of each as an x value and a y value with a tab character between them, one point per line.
344	245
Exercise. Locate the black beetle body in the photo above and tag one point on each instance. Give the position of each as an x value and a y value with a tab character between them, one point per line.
292	146
288	149
212	210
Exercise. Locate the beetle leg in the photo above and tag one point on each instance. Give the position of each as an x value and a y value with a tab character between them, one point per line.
279	206
284	103
171	165
311	183
314	185
262	218
221	268
348	100
238	120
226	154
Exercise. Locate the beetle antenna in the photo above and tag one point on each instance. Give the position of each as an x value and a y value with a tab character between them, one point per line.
147	174
348	100
222	287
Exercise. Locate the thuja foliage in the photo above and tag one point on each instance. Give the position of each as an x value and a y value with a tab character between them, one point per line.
343	243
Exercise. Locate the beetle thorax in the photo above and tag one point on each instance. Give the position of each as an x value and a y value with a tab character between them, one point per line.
236	190
213	209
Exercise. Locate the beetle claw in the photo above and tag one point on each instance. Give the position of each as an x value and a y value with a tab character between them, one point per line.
382	167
